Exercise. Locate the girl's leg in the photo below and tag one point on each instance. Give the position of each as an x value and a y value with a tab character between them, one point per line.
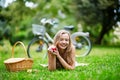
51	61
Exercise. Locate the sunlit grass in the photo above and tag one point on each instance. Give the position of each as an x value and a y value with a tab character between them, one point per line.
104	64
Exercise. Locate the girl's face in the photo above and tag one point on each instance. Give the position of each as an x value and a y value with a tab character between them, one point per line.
63	41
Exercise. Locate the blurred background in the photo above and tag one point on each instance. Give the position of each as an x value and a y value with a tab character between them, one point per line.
98	17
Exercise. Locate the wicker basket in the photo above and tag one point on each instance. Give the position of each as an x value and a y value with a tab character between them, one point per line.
18	64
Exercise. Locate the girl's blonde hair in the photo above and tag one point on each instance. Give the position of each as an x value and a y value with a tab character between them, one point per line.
69	49
59	34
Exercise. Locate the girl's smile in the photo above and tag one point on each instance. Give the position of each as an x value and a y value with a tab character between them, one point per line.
64	41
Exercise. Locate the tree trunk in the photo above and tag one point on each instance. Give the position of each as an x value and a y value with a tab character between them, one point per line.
107	24
101	35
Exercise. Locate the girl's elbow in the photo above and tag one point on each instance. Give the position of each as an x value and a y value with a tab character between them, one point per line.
51	69
71	68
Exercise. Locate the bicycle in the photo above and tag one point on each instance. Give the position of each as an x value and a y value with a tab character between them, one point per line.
80	39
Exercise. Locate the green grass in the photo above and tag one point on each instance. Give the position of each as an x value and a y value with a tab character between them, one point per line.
104	64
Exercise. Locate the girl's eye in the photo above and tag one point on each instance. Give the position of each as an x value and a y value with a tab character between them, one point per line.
61	39
66	39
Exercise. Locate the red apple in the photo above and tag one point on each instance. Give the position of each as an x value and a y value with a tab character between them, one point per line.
54	49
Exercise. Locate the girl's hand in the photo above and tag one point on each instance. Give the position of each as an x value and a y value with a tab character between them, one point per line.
53	49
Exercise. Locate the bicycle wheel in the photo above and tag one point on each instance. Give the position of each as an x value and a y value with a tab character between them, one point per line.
37	49
82	43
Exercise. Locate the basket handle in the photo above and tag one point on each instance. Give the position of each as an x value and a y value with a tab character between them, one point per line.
18	42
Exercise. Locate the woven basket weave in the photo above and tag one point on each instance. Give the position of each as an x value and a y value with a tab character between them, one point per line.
18	64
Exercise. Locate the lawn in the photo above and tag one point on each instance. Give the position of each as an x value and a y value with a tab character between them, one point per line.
103	64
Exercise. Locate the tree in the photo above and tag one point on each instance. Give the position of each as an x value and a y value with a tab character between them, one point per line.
16	17
103	12
51	9
20	18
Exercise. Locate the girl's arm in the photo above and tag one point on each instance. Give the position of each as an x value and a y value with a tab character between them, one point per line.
65	64
51	61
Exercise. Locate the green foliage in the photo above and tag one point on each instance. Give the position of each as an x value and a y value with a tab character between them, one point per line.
63	12
91	11
22	17
98	12
94	33
88	13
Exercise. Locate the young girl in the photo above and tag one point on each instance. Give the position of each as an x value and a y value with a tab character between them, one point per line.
62	53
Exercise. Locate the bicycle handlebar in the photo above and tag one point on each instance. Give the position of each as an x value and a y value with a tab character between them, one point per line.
51	22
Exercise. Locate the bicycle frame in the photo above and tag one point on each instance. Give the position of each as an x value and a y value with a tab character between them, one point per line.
40	34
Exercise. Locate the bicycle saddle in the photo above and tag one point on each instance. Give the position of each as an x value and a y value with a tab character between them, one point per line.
69	27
